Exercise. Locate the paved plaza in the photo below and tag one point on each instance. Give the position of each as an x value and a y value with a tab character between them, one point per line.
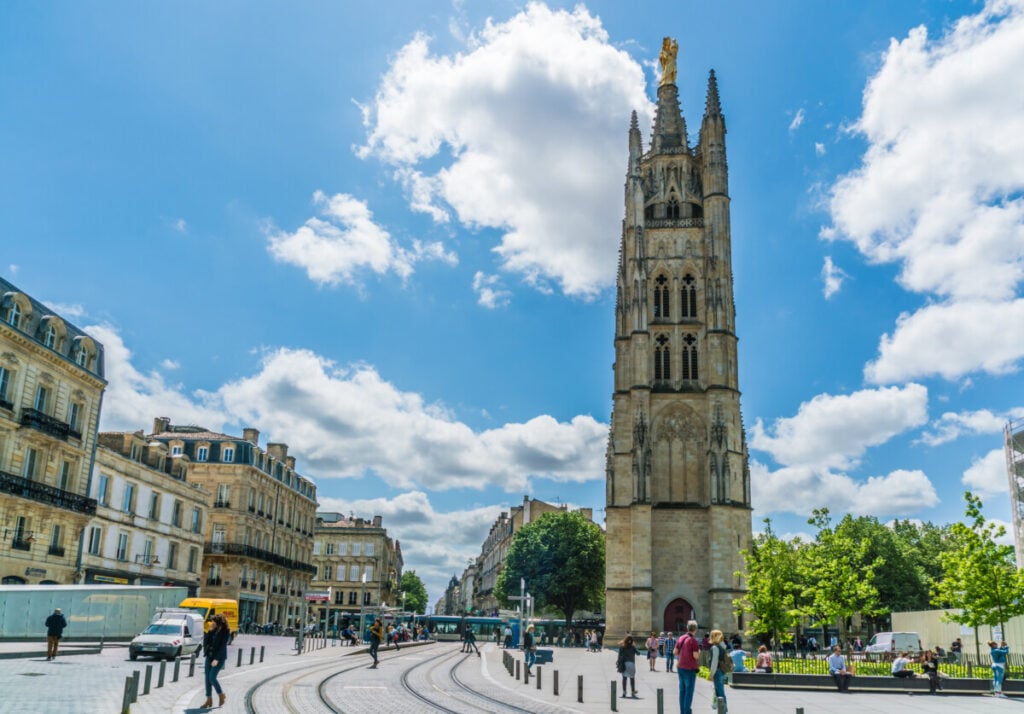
93	684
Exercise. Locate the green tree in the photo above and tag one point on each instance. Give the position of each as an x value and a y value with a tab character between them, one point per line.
561	556
415	592
923	543
773	595
838	574
981	579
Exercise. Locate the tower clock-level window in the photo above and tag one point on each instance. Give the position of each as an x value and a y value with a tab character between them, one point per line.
662	359
688	297
690	357
661	304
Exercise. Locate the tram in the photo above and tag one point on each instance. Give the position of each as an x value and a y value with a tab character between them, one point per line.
452	627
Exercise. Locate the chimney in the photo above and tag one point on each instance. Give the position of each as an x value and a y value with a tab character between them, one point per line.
377	521
278	451
161	424
290	460
251	435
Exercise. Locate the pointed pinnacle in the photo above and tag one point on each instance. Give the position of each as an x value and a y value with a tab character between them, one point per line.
633	123
712	105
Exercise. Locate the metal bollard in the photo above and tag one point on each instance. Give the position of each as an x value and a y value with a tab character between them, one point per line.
538	677
555	683
579	688
721	705
526	675
615	703
135	686
177	669
799	710
192	665
661	701
239	656
262	647
517	669
126	698
149	678
161	673
252	655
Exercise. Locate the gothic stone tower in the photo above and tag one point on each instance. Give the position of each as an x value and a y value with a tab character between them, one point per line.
678	485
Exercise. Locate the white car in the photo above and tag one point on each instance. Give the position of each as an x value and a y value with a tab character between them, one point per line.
168	639
892	643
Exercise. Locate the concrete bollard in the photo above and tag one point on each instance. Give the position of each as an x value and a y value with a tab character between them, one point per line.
615	703
661	701
721	705
517	669
252	655
126	698
161	673
239	656
192	665
579	688
177	669
262	647
135	686
538	677
555	683
799	710
149	678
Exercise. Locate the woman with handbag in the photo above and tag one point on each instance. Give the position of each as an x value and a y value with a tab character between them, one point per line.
215	647
626	664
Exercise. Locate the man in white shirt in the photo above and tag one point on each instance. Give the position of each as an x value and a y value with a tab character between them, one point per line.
838	669
899	666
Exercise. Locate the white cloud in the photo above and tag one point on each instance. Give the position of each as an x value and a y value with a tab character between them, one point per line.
534	114
346	242
987	475
819	149
953	425
71	311
435	544
489	290
832	276
939	192
950	340
170	364
133	398
798	119
898	493
12	269
181	225
833	431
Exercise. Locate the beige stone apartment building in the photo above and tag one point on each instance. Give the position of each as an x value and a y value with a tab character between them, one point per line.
51	383
150	519
259	534
359	563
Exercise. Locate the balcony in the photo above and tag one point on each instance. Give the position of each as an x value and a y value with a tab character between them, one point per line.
57	550
50	495
4	404
39	421
259	554
20	544
221	504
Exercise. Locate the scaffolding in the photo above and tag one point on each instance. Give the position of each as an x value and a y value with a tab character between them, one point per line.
1013	436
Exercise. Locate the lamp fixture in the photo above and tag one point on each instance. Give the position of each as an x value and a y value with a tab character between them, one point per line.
155	560
31	537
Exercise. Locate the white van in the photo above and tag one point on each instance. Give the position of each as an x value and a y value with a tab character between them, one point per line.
176	635
889	644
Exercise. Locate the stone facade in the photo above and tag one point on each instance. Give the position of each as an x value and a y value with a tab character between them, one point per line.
678	484
344	550
149	524
51	383
259	535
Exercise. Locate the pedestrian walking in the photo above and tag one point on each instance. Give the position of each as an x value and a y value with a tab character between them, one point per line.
507	634
215	647
687	664
55	625
720	666
670	651
470	643
652	650
376	635
530	648
626	664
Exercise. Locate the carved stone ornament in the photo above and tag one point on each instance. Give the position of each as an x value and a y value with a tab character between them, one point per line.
46	378
681	423
10	358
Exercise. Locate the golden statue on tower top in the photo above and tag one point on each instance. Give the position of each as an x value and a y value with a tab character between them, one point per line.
667	58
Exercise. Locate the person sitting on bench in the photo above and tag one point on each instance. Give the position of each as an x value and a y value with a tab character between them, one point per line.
899	666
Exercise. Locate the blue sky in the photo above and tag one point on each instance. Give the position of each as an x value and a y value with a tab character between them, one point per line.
389	241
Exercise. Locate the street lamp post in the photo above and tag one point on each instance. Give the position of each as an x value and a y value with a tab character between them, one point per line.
362	604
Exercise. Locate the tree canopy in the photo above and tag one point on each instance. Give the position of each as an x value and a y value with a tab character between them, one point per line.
773	596
415	592
561	556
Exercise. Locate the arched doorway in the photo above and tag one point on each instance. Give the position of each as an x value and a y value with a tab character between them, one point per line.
677	614
12	580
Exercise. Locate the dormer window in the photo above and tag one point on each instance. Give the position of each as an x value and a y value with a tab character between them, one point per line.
50	337
176	450
202	453
228	454
14	315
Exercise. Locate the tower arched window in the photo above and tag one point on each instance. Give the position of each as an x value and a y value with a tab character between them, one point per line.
688	297
690	357
672	209
662	359
661	297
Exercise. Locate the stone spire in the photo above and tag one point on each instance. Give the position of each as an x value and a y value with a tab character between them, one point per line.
635	145
712	106
669	126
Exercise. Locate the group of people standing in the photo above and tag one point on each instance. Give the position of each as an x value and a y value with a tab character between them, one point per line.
683	652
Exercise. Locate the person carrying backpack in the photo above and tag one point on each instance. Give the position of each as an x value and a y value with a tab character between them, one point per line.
721	665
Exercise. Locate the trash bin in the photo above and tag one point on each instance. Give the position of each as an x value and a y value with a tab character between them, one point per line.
545	656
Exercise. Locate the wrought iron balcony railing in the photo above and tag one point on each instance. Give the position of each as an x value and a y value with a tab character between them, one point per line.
39	421
40	492
265	555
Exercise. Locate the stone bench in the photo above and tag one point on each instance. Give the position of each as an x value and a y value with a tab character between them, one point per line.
949	685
